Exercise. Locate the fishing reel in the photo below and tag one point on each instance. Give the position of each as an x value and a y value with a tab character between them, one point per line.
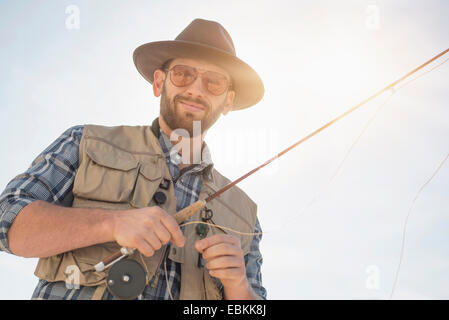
126	279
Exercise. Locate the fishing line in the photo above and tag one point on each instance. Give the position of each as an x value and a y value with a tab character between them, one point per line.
224	228
406	223
321	190
339	168
422	74
166	279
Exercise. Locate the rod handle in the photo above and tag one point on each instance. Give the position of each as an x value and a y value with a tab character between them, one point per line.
189	211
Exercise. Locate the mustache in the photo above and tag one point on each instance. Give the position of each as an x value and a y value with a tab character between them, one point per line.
197	101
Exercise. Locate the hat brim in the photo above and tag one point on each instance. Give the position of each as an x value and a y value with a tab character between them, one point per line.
246	83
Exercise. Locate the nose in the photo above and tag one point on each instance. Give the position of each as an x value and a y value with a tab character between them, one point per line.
196	89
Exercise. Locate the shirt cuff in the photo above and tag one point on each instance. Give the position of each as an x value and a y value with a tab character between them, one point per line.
8	212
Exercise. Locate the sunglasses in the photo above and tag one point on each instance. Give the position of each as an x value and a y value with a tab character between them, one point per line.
214	82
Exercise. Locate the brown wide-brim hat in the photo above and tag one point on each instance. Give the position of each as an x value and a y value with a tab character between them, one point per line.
205	40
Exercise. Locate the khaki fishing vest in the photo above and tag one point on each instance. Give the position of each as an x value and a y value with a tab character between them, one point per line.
121	168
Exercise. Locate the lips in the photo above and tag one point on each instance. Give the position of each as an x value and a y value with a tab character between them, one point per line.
191	106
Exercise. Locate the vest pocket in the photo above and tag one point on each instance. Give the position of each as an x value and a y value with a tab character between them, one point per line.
75	267
148	178
110	174
106	174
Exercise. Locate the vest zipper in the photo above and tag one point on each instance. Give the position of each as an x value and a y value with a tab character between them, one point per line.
155	279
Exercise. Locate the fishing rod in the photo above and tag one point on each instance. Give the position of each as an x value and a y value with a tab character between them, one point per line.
187	212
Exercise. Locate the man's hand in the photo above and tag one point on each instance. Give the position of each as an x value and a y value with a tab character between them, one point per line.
146	229
224	259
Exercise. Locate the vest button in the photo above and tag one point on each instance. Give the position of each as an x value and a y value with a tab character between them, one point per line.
159	197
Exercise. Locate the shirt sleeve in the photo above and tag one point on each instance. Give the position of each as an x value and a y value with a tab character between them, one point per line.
253	262
50	178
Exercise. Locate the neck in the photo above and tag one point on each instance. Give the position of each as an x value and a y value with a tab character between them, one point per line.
192	145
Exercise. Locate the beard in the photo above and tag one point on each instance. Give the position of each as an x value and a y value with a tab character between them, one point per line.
179	119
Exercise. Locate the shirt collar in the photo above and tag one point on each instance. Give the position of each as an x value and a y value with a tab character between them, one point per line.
171	154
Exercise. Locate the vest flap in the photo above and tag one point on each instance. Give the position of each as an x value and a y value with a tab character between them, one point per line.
109	156
151	171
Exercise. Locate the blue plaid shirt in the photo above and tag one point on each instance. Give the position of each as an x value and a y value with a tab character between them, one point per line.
50	178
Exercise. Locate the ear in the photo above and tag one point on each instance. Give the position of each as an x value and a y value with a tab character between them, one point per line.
158	83
229	102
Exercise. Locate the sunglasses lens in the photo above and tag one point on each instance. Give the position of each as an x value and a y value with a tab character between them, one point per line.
215	83
182	76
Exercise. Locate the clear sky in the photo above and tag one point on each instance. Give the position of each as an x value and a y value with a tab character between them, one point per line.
317	59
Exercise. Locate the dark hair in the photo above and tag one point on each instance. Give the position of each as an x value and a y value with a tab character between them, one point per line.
166	64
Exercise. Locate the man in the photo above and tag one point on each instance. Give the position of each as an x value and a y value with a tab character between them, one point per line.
98	188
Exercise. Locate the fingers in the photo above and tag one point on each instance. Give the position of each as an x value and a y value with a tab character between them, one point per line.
224	262
173	229
147	229
222	256
162	233
161	225
144	248
205	243
224	259
226	273
221	249
153	240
